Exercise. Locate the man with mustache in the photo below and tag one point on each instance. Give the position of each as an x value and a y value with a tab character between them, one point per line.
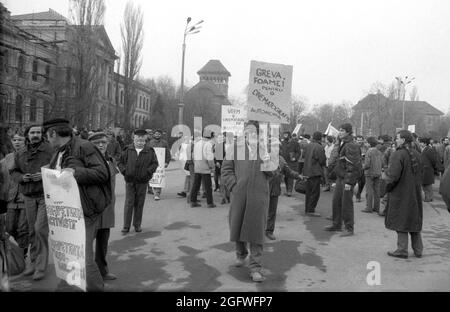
27	172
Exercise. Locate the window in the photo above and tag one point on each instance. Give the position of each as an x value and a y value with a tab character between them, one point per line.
19	102
47	74
46	110
33	110
21	67
4	61
121	96
35	70
109	90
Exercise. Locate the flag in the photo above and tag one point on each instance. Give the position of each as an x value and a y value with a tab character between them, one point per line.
331	130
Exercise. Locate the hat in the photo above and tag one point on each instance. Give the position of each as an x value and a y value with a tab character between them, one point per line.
96	135
55	123
140	132
158	130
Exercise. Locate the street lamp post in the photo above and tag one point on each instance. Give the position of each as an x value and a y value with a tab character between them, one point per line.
402	86
187	31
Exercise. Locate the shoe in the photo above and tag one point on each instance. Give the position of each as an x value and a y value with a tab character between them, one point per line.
240	262
418	255
346	233
366	211
182	194
270	236
313	214
332	228
29	270
196	204
138	229
396	254
329	218
38	275
212	206
289	194
257	277
125	231
109	277
157	197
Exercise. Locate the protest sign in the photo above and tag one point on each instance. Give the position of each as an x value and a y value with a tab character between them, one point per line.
159	177
67	232
332	131
233	119
297	129
412	128
269	92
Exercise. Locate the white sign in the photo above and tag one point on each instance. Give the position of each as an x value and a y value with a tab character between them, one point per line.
159	177
331	131
66	226
412	128
269	92
233	119
297	129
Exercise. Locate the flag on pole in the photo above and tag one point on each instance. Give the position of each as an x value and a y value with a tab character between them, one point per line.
331	130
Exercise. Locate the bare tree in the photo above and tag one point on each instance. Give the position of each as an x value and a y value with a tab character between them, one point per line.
414	94
84	83
132	33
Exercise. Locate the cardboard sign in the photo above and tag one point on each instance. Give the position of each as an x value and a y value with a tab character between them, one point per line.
159	177
67	232
412	128
233	119
269	92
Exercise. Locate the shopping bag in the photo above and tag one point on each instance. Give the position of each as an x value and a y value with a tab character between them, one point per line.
15	259
300	186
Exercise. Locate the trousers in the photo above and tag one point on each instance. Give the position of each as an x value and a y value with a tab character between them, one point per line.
101	249
135	194
343	206
416	242
17	226
38	231
255	254
312	193
373	193
272	215
206	178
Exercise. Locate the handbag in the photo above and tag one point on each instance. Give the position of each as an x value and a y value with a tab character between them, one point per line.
14	257
300	186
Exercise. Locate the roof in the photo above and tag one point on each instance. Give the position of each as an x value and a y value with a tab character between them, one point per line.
421	106
50	15
214	67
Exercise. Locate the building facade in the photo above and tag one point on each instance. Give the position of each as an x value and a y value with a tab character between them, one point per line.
51	40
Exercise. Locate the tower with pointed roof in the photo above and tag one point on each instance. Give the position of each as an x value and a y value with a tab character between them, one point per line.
215	72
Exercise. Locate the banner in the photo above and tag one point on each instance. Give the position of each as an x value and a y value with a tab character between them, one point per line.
332	131
269	92
67	233
159	177
233	119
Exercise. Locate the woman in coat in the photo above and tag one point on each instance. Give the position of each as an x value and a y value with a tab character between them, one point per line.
107	218
249	187
404	207
430	168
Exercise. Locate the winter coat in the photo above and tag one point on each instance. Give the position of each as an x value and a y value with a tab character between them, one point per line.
315	159
430	167
107	219
161	143
275	180
373	163
10	187
138	169
249	188
446	156
348	165
404	207
203	157
290	150
30	160
114	150
91	173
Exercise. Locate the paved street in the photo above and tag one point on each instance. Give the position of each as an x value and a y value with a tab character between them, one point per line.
188	249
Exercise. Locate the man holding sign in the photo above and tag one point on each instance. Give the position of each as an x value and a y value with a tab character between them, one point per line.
158	142
84	161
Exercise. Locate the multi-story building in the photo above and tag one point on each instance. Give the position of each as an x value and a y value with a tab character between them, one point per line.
50	39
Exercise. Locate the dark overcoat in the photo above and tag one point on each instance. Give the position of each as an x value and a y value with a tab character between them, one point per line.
107	219
249	188
429	161
404	207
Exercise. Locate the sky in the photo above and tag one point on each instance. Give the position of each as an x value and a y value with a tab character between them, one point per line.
338	49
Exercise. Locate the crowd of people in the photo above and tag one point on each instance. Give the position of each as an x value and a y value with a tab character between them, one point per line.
394	171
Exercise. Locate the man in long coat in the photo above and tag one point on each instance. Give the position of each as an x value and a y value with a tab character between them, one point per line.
249	187
404	211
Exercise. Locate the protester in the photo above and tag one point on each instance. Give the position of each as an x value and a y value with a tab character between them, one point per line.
430	168
315	162
404	212
249	187
203	166
155	142
290	150
16	219
183	156
107	218
27	172
362	180
372	171
329	145
114	149
347	169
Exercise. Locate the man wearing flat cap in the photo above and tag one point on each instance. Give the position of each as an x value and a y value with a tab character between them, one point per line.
137	163
157	141
91	171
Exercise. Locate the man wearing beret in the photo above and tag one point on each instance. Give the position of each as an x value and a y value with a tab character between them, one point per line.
27	172
137	163
157	141
107	218
91	171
